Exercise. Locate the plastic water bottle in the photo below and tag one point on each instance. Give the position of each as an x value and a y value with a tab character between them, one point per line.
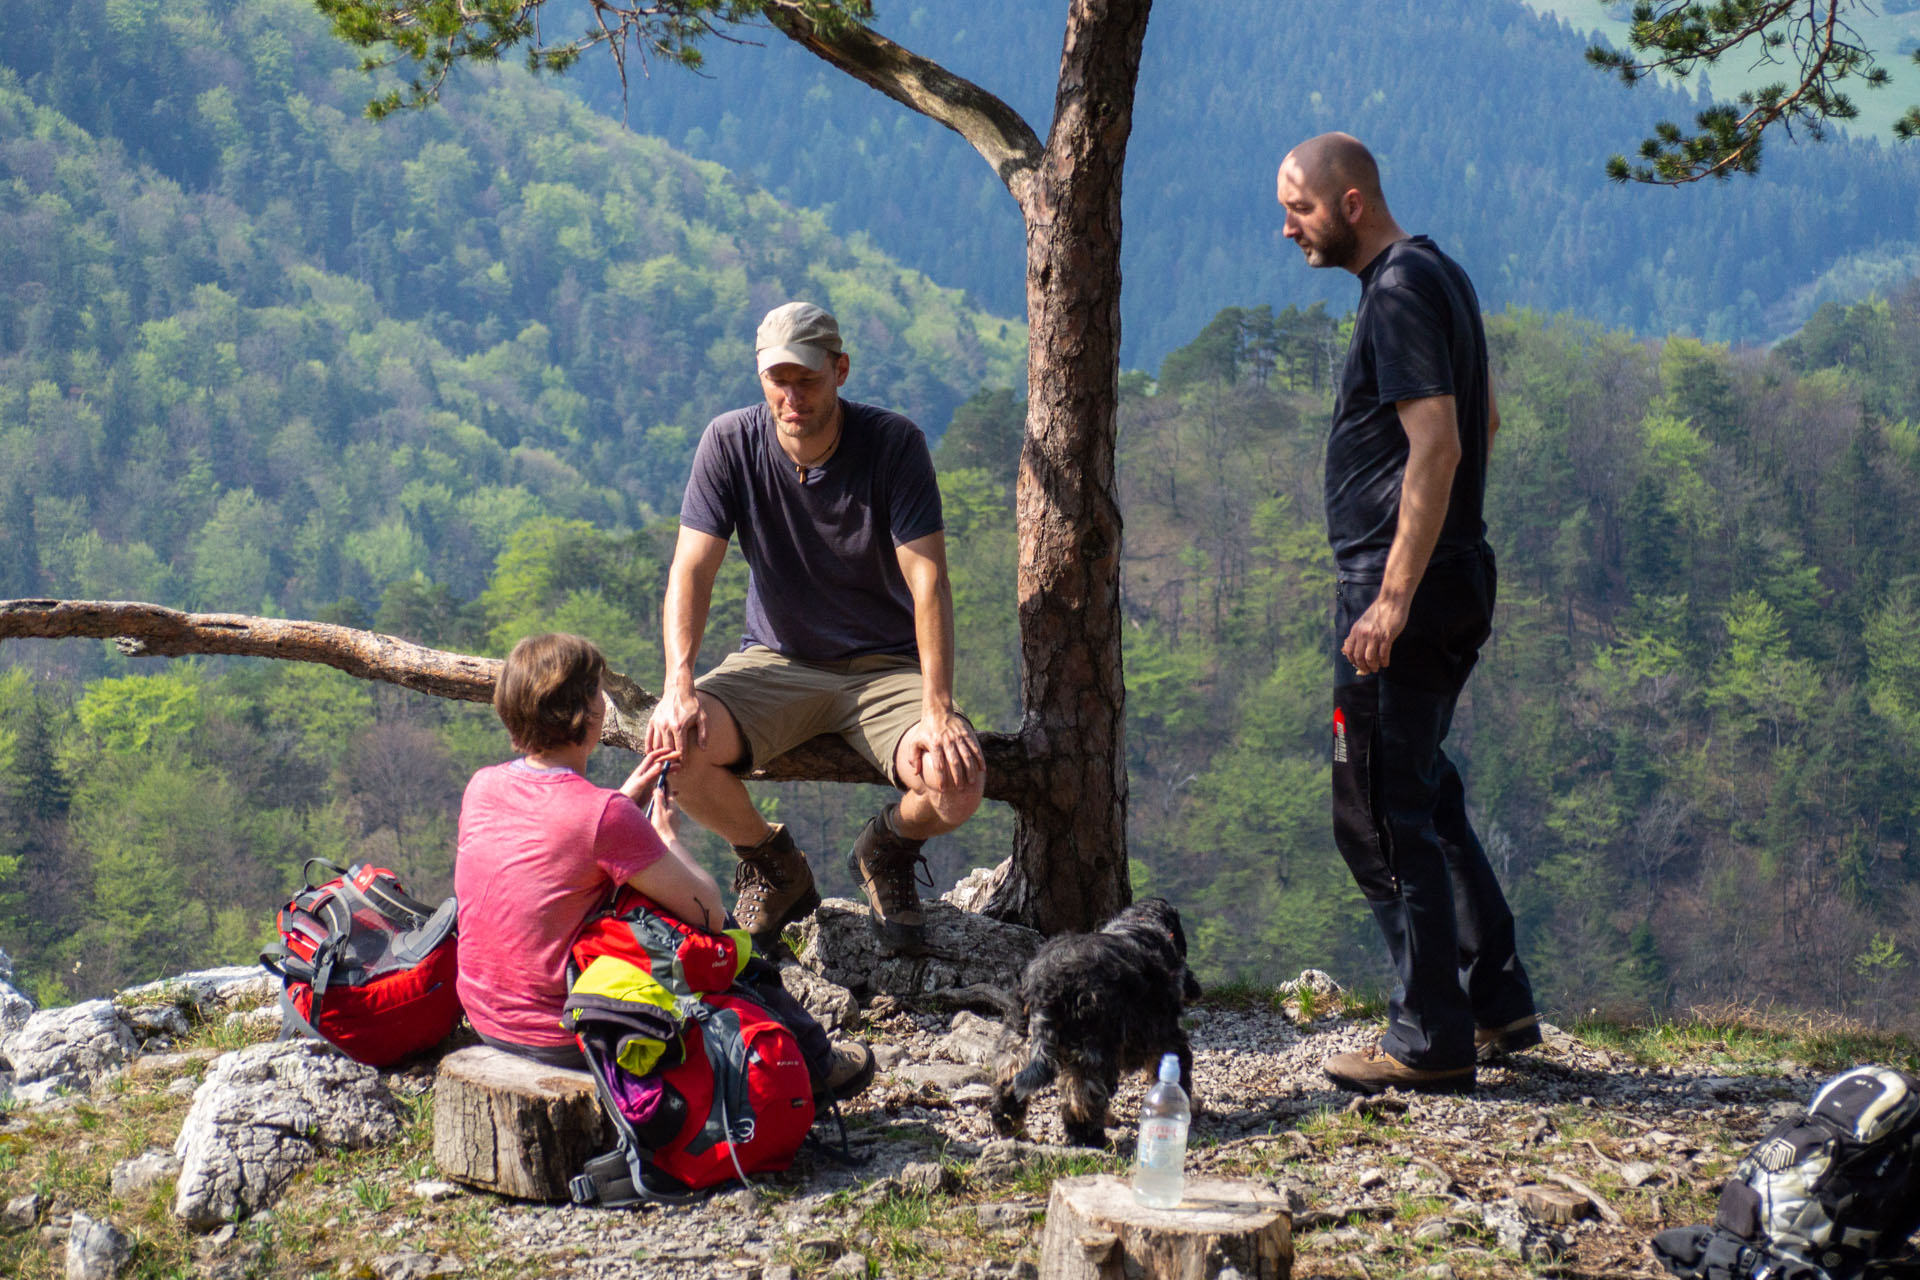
1160	1158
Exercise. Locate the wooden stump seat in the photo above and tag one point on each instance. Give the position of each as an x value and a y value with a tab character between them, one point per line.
508	1124
1097	1231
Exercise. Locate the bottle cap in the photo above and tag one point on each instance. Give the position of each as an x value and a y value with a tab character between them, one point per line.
1170	1068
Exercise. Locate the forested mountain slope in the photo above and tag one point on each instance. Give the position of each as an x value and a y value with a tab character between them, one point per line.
232	309
1491	129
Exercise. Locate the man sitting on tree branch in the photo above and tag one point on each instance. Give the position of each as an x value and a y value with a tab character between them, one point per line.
849	629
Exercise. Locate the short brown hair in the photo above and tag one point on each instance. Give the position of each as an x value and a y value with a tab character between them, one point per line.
547	690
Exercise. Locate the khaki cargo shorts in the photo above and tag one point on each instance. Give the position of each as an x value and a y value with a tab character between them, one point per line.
780	702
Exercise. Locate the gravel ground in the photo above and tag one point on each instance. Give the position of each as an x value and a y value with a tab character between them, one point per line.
1400	1185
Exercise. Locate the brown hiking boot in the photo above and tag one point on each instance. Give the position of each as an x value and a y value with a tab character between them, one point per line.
1372	1069
884	864
773	887
1492	1043
849	1075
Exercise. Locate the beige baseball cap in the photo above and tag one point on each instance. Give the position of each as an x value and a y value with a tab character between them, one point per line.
797	333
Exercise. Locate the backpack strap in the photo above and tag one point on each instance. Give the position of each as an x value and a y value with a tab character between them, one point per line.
616	1179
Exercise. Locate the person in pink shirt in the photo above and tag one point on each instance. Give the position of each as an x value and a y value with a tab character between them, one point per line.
541	848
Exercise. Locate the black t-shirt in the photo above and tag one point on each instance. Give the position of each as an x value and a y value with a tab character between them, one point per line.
1417	334
824	582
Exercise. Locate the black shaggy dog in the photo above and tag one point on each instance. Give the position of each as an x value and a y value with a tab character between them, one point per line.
1091	1006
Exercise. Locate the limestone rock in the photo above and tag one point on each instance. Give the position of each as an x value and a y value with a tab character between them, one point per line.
43	1092
1005	1157
22	1212
972	1039
925	1177
1314	980
15	1008
263	1114
6	966
977	886
829	1002
144	1172
409	1265
945	1077
963	950
86	1040
208	989
153	1021
96	1250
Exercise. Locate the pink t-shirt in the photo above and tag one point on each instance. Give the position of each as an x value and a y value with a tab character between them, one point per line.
540	850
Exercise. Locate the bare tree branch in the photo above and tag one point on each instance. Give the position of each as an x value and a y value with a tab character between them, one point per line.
151	630
994	129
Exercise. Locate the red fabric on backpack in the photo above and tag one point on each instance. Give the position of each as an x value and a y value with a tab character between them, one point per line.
779	1101
748	1095
366	967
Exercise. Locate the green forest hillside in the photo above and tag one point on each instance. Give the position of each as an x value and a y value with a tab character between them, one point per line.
1491	129
443	376
232	308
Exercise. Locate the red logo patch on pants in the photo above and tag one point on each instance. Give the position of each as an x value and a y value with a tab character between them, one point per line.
1339	737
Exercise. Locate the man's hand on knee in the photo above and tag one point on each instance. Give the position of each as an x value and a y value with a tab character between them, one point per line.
679	722
944	754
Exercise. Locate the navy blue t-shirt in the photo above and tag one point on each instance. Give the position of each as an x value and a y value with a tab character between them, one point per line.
1417	333
823	583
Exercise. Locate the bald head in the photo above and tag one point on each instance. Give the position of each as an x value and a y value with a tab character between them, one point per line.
1335	163
1330	188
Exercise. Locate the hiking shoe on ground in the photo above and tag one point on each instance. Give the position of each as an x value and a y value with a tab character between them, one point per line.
773	887
848	1077
1492	1043
885	865
1372	1069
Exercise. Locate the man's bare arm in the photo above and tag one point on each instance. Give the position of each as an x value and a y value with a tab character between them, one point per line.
1433	454
697	557
952	751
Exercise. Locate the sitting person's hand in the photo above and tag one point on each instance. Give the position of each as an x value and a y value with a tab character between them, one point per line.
665	815
646	775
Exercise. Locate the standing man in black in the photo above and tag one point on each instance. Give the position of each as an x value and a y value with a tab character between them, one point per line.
1406	474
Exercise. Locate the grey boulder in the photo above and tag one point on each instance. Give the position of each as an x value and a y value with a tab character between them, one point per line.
263	1114
85	1040
963	950
96	1250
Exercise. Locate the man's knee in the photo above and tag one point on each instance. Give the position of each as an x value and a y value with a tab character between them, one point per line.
953	801
725	745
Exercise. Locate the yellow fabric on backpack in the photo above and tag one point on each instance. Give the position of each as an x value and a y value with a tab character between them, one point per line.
615	979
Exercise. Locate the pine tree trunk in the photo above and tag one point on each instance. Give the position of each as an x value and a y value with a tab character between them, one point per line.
1069	862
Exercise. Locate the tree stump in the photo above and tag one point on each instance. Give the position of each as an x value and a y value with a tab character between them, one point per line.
1097	1231
511	1125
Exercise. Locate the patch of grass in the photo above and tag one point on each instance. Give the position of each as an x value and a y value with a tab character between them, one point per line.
1751	1038
374	1196
1037	1179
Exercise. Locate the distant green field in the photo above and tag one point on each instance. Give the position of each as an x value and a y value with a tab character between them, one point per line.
1883	32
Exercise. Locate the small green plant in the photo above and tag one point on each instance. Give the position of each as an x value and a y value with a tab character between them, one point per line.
1038	1178
375	1197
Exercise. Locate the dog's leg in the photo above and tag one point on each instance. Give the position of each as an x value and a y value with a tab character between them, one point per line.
1013	1086
1084	1099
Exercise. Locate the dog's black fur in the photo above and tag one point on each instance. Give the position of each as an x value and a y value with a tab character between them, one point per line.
1092	1005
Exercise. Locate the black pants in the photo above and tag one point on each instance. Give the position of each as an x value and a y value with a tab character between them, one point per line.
1400	819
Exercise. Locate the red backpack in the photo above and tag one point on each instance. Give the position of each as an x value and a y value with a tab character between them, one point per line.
702	1083
366	967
